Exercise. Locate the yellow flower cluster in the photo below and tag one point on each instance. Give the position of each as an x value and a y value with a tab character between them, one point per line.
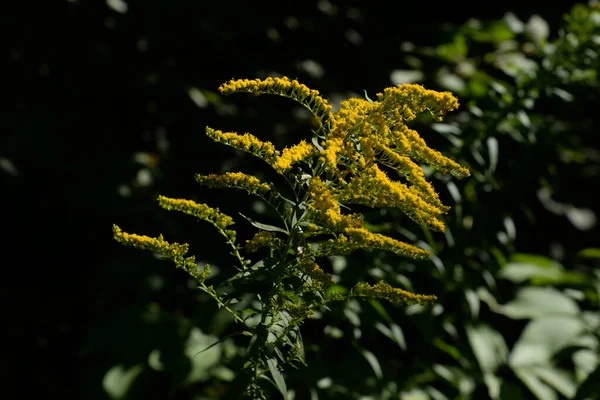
200	211
283	87
397	296
292	155
411	143
322	203
355	238
363	238
367	134
374	188
262	239
237	180
349	117
173	251
325	208
410	99
320	278
246	142
281	161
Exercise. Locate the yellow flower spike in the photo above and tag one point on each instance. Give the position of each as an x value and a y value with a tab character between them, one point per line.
237	180
413	174
329	155
159	245
365	239
246	142
396	296
284	87
292	155
320	278
373	188
173	251
411	99
262	239
352	112
200	211
322	204
418	150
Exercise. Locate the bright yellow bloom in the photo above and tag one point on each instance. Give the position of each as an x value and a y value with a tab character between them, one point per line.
285	87
173	251
322	204
292	155
262	239
373	188
246	142
397	296
200	211
320	278
365	239
411	99
409	141
237	180
348	118
413	174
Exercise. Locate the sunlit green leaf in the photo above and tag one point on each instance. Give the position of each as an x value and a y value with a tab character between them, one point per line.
543	337
455	50
591	252
589	388
488	346
532	302
264	227
373	362
118	380
277	377
560	380
535	385
494	32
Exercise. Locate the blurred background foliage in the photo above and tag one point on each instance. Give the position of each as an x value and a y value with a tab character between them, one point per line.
106	108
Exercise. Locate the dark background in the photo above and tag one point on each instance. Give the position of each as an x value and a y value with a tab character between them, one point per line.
85	87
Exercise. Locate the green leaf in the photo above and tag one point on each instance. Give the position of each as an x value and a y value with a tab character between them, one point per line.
493	150
450	350
543	337
494	32
534	259
560	380
223	373
488	346
380	310
118	380
398	336
400	76
455	50
493	384
540	271
589	253
540	276
589	388
337	290
264	227
244	333
315	142
372	360
199	342
531	302
394	332
535	385
277	377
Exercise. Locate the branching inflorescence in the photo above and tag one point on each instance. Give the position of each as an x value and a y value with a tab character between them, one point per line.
341	167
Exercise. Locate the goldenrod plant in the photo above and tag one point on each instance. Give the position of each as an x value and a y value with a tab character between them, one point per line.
350	161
